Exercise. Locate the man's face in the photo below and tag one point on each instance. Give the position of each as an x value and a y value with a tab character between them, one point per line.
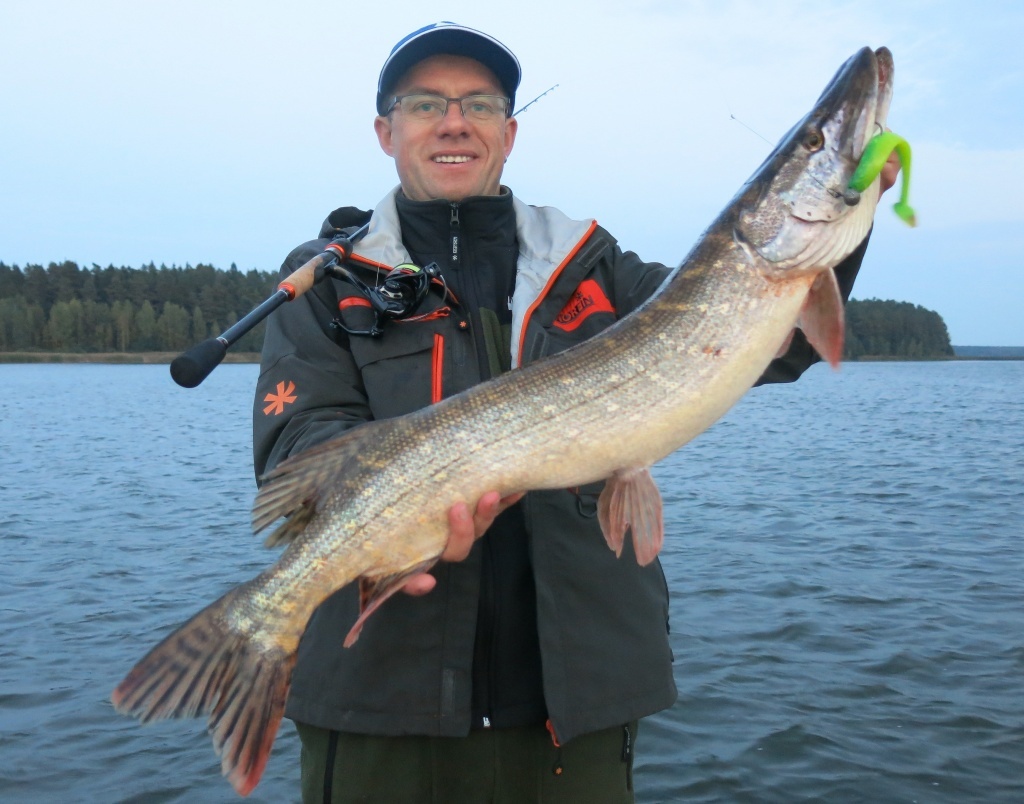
452	158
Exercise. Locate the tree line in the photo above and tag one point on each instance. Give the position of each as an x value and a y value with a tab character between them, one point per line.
876	328
65	308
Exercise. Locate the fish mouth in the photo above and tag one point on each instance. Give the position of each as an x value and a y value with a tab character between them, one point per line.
856	101
797	209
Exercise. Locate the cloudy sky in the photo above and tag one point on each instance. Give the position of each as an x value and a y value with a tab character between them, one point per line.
224	132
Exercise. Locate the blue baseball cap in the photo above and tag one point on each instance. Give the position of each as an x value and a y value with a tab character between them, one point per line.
454	39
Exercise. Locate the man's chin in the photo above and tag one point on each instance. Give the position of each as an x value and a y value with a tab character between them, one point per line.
453	190
460	188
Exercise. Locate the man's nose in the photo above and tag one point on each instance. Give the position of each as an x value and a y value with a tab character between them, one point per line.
454	117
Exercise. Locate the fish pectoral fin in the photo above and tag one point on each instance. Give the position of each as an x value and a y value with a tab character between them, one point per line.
631	499
822	318
375	589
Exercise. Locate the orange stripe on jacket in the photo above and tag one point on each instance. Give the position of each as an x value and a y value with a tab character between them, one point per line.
547	287
437	372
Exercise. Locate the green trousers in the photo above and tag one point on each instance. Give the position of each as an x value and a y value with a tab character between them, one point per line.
504	766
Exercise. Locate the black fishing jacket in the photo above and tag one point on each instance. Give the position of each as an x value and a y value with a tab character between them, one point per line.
601	623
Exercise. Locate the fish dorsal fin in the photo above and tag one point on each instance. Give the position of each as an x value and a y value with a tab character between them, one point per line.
822	318
294	487
288	531
630	499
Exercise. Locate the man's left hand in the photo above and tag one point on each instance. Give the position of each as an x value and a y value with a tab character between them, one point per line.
463	530
890	171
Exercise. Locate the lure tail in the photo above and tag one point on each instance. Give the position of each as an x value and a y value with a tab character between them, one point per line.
875	155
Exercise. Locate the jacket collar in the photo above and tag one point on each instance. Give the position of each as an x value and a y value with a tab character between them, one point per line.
547	240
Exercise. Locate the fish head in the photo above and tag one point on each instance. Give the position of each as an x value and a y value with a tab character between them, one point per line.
797	212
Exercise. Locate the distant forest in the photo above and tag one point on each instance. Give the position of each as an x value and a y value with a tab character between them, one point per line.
65	308
877	328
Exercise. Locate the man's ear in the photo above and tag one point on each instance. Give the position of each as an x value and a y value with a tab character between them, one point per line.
511	127
382	125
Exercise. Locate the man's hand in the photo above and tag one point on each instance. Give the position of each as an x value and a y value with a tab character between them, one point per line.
463	530
890	171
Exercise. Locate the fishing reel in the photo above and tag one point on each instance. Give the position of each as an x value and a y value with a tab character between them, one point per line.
397	298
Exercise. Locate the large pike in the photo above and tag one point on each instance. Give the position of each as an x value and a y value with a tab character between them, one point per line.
372	505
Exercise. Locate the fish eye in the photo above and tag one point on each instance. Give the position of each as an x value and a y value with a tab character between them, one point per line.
814	140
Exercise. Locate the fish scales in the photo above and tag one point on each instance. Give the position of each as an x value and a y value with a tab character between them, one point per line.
517	432
372	505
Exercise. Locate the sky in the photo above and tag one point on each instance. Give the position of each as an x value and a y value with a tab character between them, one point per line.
224	132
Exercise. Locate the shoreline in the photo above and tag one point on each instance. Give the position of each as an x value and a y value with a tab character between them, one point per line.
126	358
165	358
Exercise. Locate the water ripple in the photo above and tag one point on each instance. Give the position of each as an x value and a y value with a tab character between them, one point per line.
843	554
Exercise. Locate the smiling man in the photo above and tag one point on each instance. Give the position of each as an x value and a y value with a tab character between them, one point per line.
518	667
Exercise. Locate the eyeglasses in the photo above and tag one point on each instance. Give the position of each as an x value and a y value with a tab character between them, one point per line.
433	108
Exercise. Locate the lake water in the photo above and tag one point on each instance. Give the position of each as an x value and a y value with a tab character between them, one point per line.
845	557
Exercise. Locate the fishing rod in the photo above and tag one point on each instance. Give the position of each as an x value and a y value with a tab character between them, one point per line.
193	366
522	109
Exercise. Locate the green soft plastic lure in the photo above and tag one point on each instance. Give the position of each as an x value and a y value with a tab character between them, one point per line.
876	154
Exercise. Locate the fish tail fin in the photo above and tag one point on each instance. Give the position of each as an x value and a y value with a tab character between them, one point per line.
205	669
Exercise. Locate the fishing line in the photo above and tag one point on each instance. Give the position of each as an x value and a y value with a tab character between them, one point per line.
748	128
850	200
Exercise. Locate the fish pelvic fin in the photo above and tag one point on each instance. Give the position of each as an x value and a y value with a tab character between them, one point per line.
631	500
204	669
822	318
374	590
294	487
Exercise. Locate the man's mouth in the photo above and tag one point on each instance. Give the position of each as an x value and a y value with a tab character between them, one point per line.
452	160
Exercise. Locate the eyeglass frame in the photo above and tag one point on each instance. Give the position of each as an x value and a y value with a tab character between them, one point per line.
397	99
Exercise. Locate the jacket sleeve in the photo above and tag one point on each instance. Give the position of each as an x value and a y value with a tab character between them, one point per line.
633	280
310	389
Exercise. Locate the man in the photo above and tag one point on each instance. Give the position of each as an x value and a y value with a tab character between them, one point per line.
523	672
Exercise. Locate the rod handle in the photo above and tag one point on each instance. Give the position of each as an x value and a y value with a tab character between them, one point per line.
305	276
192	367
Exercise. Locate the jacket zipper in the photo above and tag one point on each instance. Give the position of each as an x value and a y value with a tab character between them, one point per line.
454	234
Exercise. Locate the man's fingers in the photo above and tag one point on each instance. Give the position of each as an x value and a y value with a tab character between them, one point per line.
419	584
488	507
511	500
890	171
461	533
464	529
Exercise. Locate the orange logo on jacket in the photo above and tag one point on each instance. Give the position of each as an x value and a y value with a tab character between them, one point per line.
587	300
285	396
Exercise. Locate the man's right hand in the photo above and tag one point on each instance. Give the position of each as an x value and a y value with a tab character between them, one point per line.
463	530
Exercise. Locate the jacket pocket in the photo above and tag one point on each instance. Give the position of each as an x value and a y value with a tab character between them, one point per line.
402	370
